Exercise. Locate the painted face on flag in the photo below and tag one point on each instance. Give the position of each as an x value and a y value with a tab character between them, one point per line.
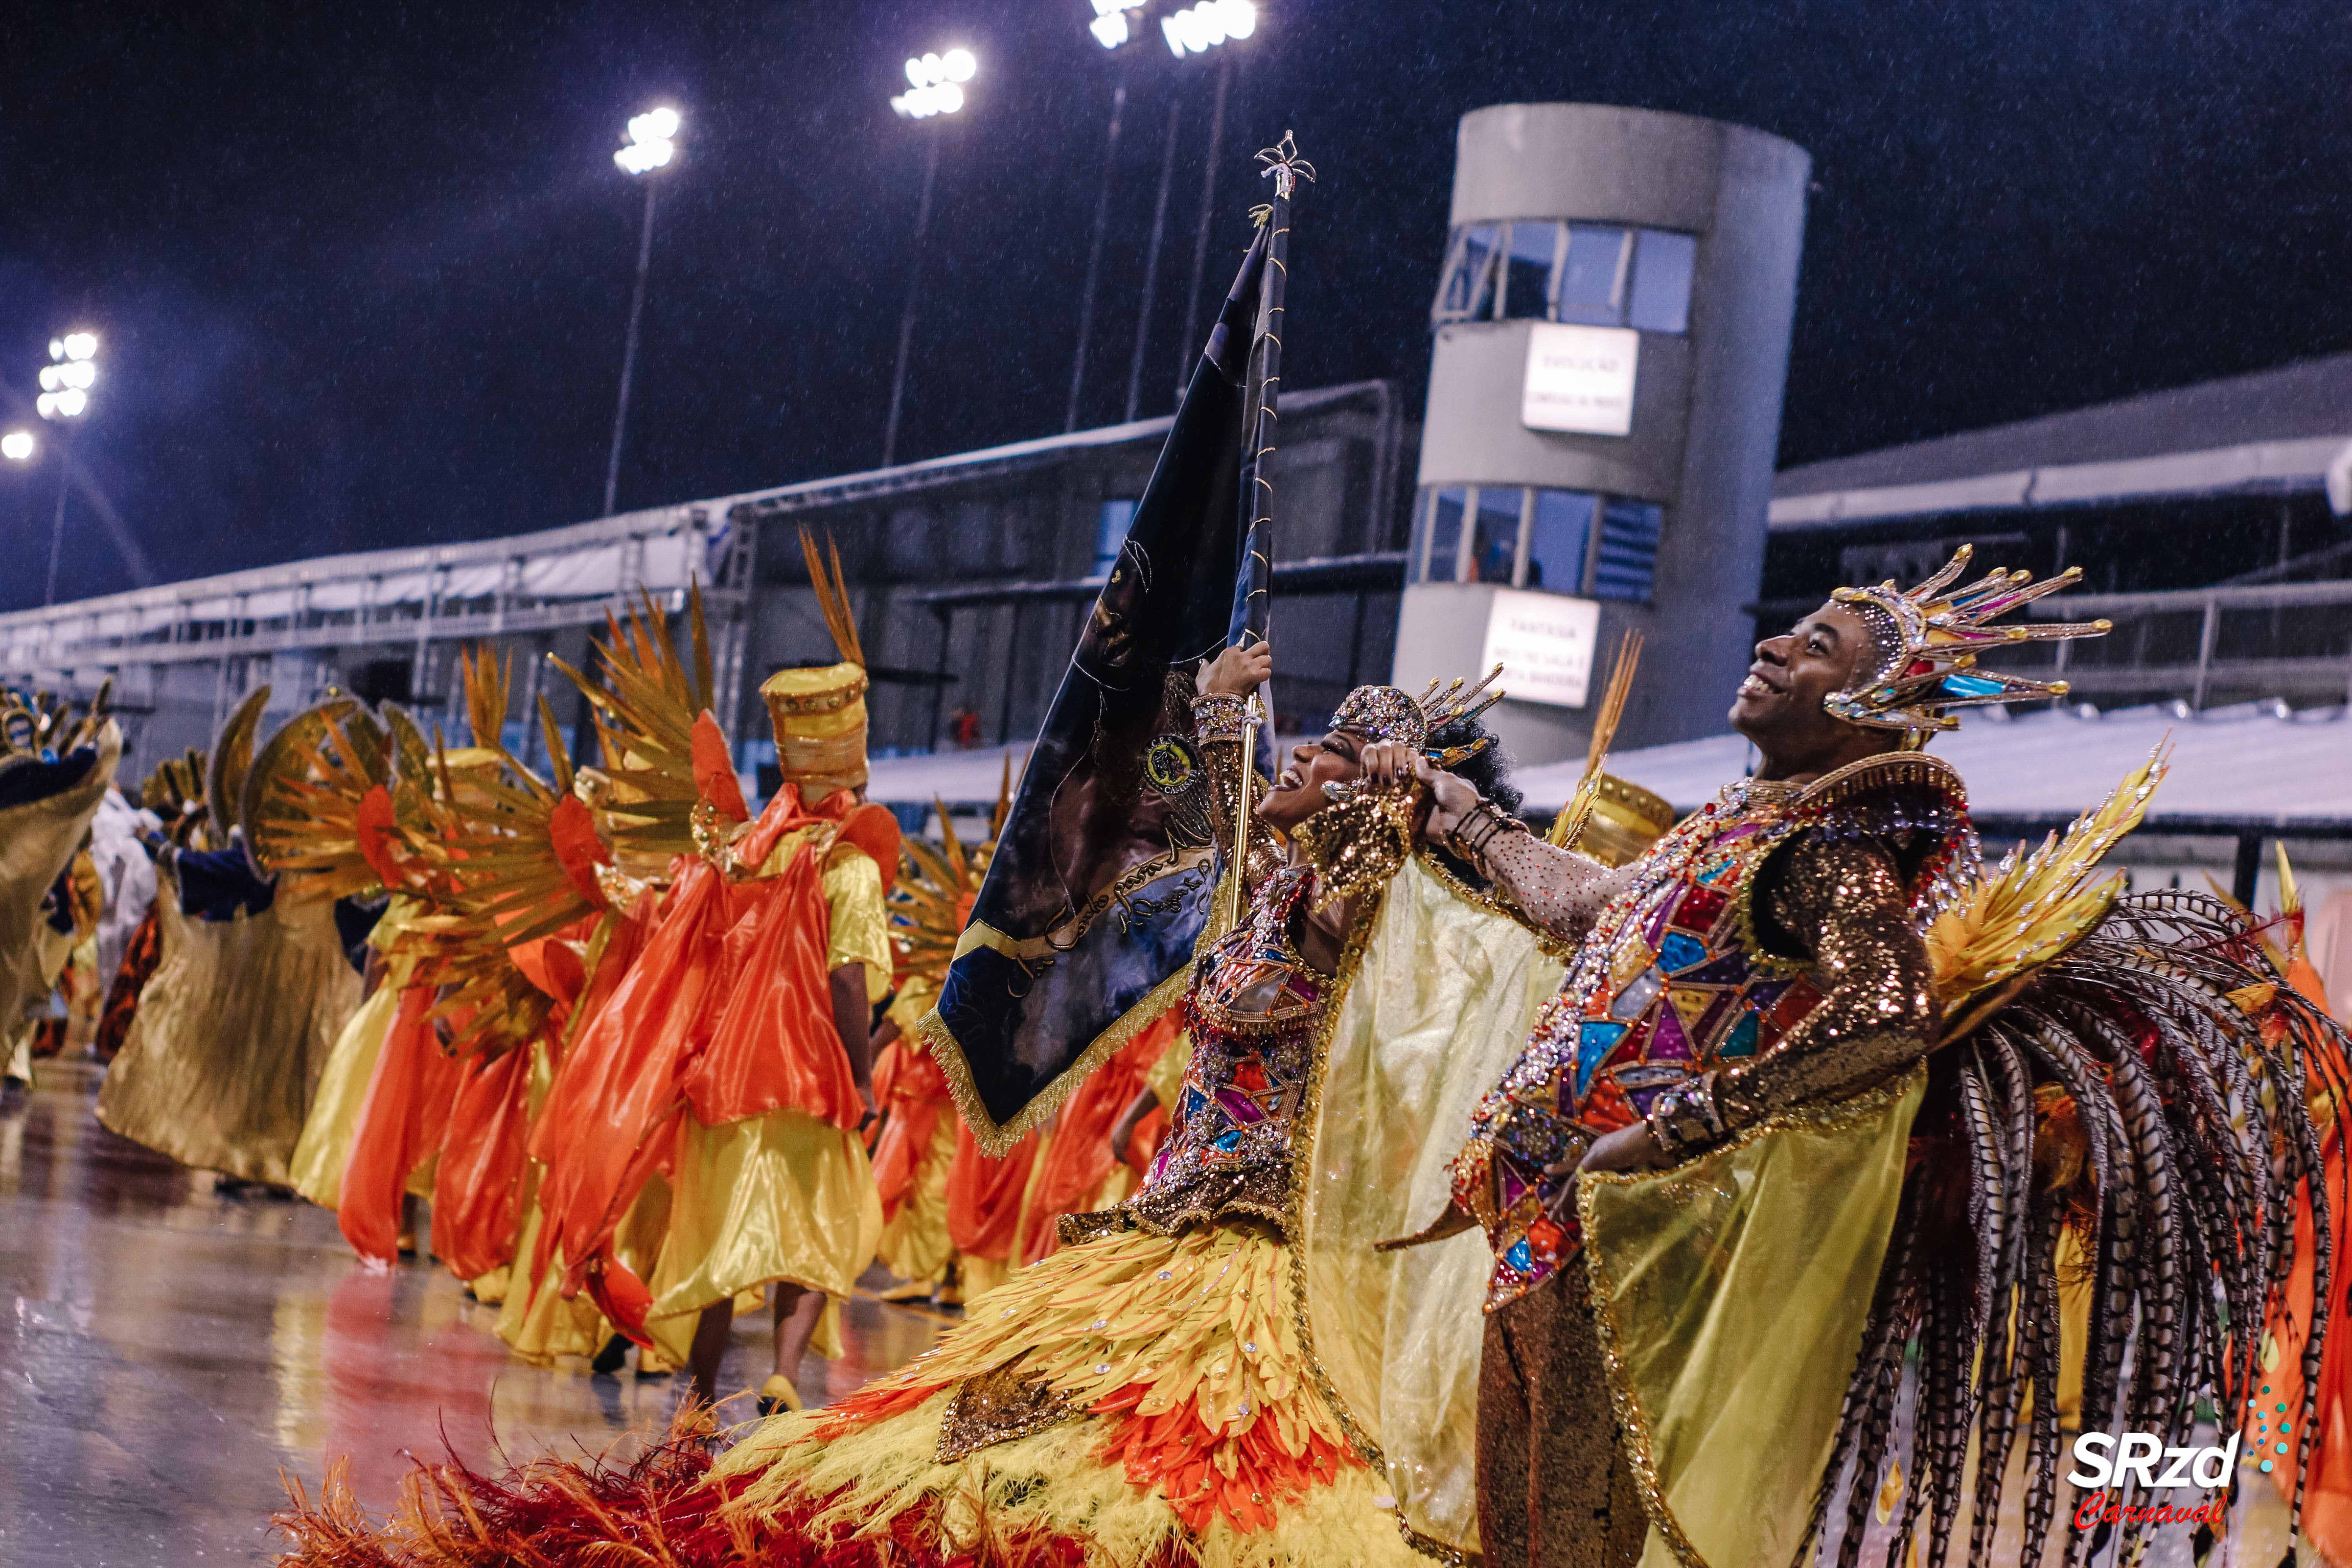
1107	652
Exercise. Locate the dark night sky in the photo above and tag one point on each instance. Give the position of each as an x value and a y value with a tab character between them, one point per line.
362	270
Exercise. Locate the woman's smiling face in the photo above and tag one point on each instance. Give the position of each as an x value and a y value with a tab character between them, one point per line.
1297	794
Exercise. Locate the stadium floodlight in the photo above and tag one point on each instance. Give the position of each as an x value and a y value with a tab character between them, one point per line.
1197	29
16	445
934	84
66	381
1110	27
653	142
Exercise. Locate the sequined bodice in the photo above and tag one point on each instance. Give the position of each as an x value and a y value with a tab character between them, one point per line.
1252	1011
1670	983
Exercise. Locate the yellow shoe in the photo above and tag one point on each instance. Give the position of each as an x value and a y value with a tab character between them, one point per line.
778	1394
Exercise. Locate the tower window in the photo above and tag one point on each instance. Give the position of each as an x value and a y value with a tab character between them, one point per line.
1562	541
1603	275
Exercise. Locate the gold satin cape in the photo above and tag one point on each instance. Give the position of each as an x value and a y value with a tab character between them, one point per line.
1730	1290
233	1033
1730	1294
36	840
1436	1008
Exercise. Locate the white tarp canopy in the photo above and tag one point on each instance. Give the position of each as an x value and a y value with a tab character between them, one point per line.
2242	763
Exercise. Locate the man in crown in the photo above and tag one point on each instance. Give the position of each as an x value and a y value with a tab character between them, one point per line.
1766	955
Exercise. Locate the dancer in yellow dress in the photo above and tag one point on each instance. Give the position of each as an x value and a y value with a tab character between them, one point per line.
773	1187
915	1144
733	1054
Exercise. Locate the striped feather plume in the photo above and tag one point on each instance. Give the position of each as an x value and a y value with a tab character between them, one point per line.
2130	1069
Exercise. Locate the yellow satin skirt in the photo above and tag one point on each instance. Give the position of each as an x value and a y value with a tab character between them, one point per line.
539	1325
777	1197
232	1033
915	1242
334	1118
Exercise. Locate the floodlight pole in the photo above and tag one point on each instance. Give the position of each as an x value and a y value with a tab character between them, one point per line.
1188	347
1152	261
914	288
629	350
58	533
1094	252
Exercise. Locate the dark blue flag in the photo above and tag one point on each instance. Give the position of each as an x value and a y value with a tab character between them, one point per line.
1105	873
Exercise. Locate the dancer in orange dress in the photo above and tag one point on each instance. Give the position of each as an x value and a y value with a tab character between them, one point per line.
734	1052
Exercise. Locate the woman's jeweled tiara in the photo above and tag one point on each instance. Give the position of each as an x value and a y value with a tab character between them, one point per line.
1389	713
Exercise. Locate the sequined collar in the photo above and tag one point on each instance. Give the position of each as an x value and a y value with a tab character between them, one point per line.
1883	768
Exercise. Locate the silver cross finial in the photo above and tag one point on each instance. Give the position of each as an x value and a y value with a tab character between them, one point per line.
1283	162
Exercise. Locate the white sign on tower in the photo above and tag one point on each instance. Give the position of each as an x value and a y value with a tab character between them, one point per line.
1580	379
1544	643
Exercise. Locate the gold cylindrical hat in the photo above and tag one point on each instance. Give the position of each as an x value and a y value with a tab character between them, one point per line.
1626	820
819	716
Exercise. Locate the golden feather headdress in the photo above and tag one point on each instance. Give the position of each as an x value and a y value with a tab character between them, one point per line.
1929	639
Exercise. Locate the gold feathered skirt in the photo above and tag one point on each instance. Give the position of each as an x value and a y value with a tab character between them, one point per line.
233	1033
1129	1398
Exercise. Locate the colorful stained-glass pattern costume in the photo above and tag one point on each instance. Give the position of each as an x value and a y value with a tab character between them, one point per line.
1679	981
1854	1248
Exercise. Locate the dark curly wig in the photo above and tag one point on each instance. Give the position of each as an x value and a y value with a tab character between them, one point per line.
1490	771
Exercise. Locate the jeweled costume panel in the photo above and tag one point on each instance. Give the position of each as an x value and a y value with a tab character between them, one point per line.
1252	1014
1745	966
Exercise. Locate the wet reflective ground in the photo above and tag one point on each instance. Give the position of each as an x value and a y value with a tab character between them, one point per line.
165	1350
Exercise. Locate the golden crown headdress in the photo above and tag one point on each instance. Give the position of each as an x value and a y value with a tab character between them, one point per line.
1389	713
1929	639
819	714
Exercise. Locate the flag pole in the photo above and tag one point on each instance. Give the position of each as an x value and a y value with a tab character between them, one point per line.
1260	419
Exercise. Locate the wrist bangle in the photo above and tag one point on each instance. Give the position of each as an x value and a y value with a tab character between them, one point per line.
1480	826
1683	1120
1219	717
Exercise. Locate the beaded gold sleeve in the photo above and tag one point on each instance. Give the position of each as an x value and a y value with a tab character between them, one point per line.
1217	721
1845	903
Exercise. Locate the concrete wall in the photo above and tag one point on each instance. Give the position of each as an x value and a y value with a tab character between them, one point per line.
1707	414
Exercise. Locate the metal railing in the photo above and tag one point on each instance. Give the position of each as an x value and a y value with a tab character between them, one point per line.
2204	646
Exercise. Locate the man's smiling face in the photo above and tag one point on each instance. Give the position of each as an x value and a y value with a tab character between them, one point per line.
1779	705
